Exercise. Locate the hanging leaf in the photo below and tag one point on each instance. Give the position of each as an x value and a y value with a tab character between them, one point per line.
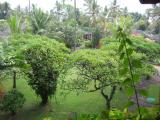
130	91
121	47
143	92
123	71
136	77
127	81
122	56
137	64
126	63
129	51
129	41
129	103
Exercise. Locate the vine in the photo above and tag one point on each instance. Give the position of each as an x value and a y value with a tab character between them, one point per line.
126	52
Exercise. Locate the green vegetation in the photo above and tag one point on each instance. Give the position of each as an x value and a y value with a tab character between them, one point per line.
12	101
70	64
14	23
96	68
140	45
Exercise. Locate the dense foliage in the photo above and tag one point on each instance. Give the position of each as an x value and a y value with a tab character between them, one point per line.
44	58
146	46
38	20
94	71
12	101
117	67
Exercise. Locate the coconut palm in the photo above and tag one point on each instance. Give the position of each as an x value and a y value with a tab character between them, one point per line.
39	20
92	10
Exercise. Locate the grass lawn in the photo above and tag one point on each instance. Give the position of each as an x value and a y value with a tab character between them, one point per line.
59	107
154	92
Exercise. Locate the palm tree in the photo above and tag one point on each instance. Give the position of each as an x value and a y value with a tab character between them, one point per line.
39	20
29	6
93	10
75	20
75	11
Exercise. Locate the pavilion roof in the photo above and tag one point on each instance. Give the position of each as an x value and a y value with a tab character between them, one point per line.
149	1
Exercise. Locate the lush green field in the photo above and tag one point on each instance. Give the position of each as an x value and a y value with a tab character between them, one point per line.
60	107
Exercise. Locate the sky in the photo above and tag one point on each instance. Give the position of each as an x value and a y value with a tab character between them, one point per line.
132	5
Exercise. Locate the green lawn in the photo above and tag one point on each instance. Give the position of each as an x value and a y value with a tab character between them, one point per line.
59	107
154	92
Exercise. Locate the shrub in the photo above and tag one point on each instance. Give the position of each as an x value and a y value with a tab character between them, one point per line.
86	44
12	101
44	59
140	45
151	49
44	71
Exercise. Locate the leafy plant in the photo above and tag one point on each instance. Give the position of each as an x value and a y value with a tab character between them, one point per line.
96	38
14	23
44	72
41	59
150	48
94	70
39	20
140	45
12	101
125	55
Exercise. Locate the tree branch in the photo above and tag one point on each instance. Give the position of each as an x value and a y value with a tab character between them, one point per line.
98	88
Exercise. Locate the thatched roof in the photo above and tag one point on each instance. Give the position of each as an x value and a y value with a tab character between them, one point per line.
149	1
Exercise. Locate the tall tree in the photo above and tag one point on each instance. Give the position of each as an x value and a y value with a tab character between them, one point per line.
92	10
154	13
39	20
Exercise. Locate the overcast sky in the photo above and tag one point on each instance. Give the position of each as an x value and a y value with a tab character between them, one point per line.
132	5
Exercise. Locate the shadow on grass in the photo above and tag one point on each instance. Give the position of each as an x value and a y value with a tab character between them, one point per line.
36	112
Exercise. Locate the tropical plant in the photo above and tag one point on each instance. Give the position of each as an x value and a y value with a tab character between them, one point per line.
39	20
92	10
14	23
129	65
96	38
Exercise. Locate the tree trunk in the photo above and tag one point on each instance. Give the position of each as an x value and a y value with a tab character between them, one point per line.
13	113
108	98
108	104
44	99
14	79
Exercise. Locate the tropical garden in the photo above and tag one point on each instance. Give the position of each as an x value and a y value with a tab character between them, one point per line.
72	64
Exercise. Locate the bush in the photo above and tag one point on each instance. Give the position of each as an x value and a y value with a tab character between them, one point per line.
86	44
44	71
111	46
12	101
151	49
140	45
44	59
